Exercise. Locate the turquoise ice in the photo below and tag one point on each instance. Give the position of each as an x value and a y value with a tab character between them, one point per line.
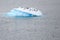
17	13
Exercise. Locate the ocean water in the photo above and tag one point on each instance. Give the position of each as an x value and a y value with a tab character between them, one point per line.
46	27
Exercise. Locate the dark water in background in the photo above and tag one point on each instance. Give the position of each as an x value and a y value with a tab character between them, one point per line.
36	28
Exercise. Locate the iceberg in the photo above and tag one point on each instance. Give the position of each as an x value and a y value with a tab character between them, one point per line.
24	12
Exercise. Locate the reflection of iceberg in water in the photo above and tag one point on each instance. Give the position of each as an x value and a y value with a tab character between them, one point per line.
23	12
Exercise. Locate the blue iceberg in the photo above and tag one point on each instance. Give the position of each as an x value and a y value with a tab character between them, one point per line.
24	12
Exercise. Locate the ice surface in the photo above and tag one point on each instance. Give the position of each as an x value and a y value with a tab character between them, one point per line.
24	12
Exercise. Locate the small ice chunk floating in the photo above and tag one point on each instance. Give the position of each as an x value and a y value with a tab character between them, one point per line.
24	12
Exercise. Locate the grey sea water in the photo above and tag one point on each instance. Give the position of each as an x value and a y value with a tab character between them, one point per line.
46	27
